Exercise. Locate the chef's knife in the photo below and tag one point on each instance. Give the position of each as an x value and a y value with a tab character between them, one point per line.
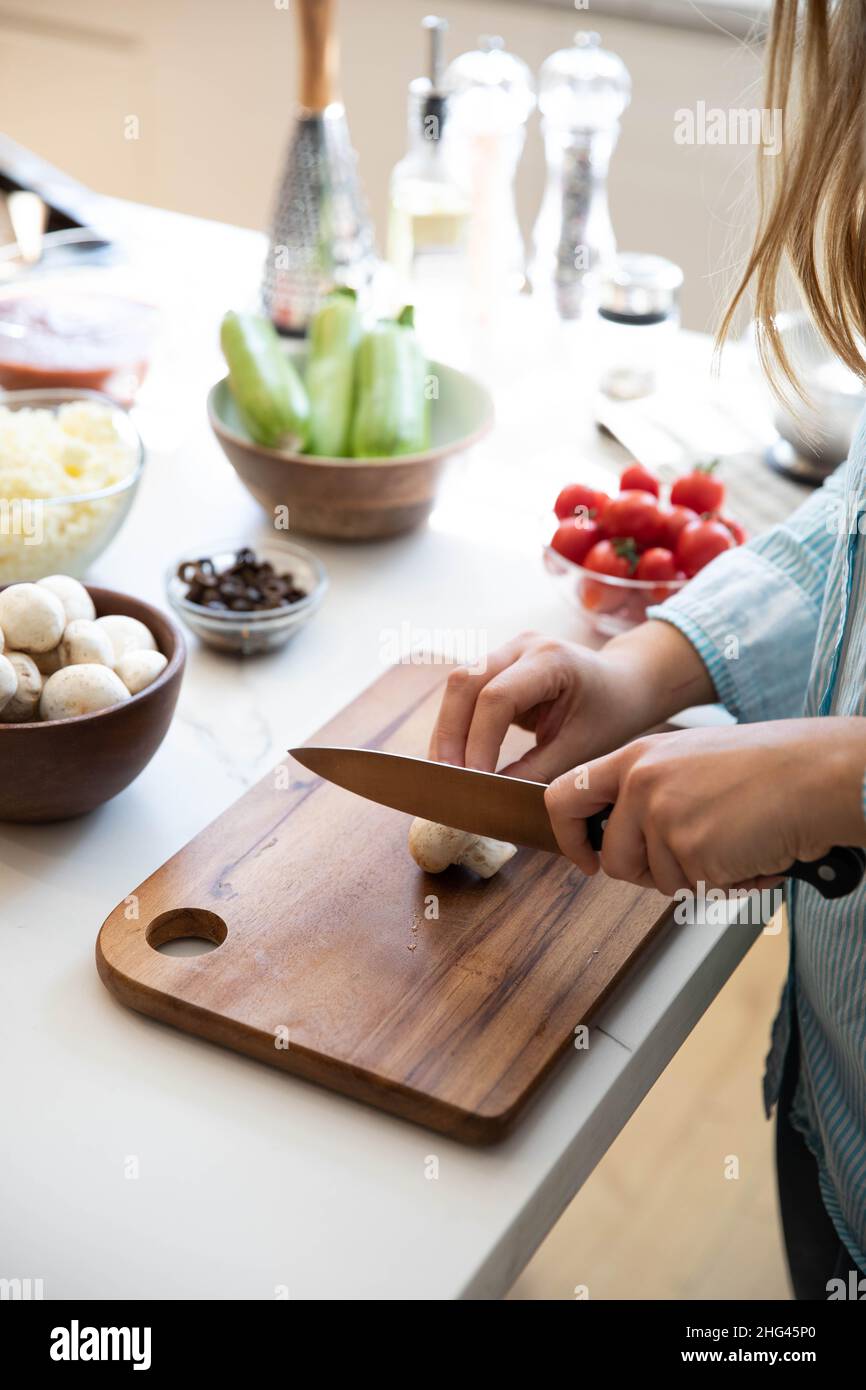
484	803
508	808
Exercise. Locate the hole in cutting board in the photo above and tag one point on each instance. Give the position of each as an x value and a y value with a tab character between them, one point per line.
186	931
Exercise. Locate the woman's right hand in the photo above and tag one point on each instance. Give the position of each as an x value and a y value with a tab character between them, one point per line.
578	702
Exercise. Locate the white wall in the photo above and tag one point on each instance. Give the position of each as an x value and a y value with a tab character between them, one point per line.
212	83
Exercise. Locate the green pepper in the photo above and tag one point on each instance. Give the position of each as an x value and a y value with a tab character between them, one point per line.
330	376
392	414
270	396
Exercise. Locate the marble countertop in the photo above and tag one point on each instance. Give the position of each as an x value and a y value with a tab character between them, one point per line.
139	1162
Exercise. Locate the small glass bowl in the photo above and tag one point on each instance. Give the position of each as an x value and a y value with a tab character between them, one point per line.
609	604
65	534
256	632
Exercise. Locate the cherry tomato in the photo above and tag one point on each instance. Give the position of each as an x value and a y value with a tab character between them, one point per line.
636	478
700	543
657	563
633	515
574	538
608	557
737	530
700	490
577	495
614	558
675	520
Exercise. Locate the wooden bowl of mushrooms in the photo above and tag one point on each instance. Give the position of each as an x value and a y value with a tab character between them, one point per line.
89	680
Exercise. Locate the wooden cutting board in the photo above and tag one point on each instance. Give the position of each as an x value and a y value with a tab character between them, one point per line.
440	998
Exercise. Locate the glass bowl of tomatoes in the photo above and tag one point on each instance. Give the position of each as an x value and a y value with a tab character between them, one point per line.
612	557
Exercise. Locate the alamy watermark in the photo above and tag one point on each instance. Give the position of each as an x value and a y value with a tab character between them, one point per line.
715	907
23	516
846	517
738	125
407	645
21	1290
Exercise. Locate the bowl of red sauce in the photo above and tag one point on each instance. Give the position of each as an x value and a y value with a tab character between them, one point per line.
81	340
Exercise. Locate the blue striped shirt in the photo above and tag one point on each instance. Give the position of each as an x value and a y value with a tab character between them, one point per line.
779	624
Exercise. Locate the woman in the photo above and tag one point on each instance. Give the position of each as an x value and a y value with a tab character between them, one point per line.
776	631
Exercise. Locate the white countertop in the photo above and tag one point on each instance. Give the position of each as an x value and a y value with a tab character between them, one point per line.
251	1184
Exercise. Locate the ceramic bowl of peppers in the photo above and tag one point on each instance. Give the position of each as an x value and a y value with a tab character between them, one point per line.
615	556
347	433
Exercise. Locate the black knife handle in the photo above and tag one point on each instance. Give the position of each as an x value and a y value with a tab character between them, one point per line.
595	827
835	875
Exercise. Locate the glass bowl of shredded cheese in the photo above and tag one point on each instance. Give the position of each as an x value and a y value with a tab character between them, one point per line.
70	465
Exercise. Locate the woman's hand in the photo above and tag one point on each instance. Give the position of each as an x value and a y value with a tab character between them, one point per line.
726	807
578	702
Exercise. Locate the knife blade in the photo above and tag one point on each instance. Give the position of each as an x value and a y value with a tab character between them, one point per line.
484	803
509	808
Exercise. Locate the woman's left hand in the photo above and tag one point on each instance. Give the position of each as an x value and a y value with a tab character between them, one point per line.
728	807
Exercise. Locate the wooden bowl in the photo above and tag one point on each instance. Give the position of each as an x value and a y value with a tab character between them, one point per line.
355	499
65	767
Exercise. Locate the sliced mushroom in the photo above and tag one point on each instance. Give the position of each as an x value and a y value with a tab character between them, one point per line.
75	599
79	690
85	642
32	619
435	847
8	682
24	703
126	635
138	670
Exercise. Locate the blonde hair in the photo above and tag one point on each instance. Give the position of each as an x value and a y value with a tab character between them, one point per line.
812	212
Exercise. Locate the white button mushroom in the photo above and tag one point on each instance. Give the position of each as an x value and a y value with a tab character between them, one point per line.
81	690
32	619
48	662
127	635
83	642
435	847
75	599
23	704
138	670
8	682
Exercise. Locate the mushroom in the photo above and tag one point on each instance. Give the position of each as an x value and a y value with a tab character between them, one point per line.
48	662
138	670
8	682
23	704
32	619
126	635
435	847
81	689
84	642
2	642
75	599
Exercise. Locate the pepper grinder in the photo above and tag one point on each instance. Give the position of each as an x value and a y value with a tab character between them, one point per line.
583	91
492	97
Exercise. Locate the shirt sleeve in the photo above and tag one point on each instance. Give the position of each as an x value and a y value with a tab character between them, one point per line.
752	615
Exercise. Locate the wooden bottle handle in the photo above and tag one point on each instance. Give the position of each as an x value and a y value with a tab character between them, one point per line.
318	85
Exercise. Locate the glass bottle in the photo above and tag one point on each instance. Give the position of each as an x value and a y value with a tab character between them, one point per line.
583	91
429	207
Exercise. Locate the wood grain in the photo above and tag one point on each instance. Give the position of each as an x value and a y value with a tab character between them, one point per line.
318	77
452	1022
